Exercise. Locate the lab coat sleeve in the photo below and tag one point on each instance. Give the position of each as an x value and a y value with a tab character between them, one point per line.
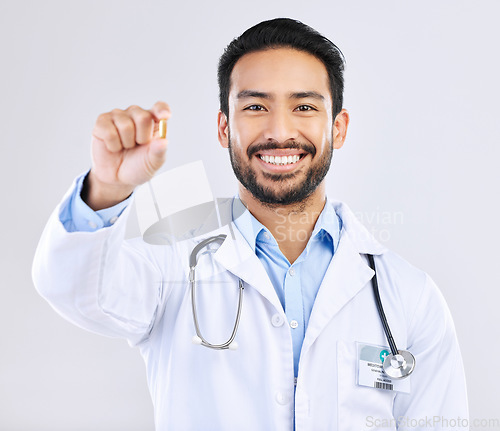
99	281
438	389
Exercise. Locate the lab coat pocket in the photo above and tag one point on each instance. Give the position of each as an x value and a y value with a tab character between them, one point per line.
360	407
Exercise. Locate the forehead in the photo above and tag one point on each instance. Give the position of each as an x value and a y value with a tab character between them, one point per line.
279	71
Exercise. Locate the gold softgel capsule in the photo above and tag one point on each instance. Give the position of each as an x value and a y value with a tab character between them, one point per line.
162	129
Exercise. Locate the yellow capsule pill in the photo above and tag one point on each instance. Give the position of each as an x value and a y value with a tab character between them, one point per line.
162	129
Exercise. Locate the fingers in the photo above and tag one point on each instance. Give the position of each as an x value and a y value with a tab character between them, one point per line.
144	124
124	129
161	111
106	131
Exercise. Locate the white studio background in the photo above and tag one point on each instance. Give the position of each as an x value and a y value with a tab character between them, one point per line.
420	165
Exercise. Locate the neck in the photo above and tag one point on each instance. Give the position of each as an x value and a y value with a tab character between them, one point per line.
291	225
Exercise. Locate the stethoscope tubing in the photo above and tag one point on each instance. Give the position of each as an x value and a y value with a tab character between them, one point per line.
192	280
380	308
400	363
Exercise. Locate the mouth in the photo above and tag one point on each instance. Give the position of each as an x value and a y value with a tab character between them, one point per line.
281	160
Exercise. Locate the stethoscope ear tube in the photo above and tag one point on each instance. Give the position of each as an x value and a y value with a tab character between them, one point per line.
198	338
400	363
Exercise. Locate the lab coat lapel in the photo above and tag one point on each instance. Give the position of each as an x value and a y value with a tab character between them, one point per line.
346	275
237	257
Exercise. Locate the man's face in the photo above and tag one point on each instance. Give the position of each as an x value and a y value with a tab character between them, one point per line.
280	127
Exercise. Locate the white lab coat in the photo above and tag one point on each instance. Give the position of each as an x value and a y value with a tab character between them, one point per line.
141	292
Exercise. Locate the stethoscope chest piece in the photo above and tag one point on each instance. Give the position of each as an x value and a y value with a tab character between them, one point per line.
399	366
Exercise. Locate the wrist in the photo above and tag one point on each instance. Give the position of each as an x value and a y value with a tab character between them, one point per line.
99	195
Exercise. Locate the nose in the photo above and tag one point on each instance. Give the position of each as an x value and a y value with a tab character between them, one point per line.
280	126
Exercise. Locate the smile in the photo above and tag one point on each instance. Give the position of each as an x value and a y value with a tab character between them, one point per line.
280	160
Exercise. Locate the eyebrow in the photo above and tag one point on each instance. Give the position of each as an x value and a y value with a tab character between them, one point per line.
245	94
307	94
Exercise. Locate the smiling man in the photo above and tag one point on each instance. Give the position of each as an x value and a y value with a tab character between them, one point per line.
280	130
311	349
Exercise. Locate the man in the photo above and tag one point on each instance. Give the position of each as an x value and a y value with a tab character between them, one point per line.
309	316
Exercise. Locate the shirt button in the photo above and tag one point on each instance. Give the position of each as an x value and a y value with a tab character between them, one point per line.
291	271
266	235
112	220
294	324
92	224
281	398
277	320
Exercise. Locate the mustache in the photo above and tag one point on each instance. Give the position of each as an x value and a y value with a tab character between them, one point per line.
274	145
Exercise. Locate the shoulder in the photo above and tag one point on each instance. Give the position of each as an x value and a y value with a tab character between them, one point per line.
407	285
364	242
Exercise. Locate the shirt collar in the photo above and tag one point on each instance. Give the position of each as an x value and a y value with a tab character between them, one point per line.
246	223
327	227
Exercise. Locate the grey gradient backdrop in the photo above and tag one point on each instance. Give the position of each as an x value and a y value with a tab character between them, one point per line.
420	165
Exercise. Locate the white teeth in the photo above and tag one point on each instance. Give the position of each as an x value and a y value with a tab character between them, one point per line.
284	160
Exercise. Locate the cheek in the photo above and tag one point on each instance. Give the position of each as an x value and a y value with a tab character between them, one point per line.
243	132
318	134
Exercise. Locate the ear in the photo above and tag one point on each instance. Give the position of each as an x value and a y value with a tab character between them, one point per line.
223	129
340	128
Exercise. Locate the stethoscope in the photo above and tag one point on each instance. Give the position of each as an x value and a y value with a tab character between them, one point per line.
198	338
398	364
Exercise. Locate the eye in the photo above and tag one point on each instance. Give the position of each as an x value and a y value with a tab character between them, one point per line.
254	108
304	108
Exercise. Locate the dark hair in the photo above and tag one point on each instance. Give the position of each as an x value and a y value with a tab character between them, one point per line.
278	33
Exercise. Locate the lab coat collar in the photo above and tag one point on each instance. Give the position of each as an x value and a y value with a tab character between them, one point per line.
347	273
238	257
361	239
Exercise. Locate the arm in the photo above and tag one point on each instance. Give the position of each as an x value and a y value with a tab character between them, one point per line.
438	388
93	277
97	280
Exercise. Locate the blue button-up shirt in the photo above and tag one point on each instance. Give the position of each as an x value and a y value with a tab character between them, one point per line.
296	284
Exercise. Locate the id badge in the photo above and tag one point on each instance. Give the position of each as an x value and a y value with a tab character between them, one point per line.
371	373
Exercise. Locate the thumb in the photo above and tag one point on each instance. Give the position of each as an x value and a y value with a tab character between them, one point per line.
157	152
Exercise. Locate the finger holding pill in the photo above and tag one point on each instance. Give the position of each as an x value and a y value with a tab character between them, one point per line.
128	148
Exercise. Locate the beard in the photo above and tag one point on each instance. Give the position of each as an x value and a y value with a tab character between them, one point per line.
288	191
